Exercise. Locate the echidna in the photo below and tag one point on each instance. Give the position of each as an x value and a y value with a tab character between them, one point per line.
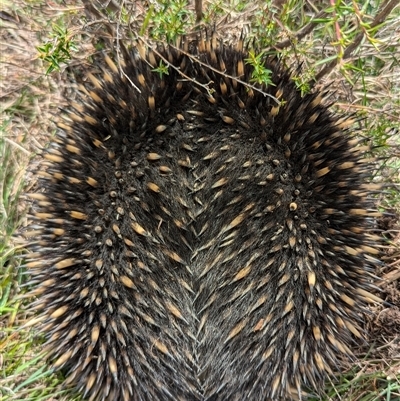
200	237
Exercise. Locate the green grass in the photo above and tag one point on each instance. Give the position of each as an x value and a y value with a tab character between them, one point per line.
354	46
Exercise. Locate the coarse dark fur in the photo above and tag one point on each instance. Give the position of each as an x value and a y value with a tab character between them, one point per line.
200	245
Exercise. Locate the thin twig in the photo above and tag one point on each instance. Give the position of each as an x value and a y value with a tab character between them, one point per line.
196	60
17	146
118	50
302	32
177	69
223	74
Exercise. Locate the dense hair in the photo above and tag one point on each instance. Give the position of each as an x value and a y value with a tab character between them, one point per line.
199	238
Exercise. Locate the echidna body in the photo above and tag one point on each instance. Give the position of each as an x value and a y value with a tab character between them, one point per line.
199	238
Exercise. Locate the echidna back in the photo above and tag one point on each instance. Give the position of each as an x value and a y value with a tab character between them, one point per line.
200	238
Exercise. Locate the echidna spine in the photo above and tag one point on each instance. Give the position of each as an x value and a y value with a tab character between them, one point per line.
200	239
